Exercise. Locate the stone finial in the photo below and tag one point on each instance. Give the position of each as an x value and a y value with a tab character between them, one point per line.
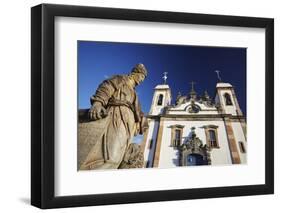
192	93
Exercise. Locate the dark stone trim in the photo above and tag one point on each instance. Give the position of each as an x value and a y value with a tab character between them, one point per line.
197	117
157	148
232	142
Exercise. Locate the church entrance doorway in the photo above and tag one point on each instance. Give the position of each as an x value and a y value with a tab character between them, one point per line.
195	160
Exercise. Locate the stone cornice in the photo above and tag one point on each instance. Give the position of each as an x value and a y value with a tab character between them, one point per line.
223	88
83	117
163	89
198	117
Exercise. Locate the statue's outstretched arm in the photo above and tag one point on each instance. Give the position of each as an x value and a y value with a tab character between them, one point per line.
103	93
100	99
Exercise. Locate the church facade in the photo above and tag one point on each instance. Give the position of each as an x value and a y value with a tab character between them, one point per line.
195	130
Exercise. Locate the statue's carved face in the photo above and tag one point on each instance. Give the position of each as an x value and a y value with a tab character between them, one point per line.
138	78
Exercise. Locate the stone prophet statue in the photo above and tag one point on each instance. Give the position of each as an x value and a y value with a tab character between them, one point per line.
116	114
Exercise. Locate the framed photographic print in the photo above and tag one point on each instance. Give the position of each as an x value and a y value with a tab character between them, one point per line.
140	106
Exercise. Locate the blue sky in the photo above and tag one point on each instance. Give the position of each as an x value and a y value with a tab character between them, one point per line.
99	60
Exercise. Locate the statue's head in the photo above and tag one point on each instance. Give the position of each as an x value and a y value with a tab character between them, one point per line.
138	73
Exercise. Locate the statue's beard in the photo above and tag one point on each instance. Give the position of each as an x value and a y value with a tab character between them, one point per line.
132	81
137	82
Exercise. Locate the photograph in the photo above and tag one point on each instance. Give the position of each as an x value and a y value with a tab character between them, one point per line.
145	105
139	105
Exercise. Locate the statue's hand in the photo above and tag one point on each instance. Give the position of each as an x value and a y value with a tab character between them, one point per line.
97	111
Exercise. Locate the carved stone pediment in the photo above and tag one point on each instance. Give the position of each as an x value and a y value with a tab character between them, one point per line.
193	108
177	126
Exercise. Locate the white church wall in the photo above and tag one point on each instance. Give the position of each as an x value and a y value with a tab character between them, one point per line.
185	112
221	155
168	154
152	134
217	99
239	136
167	98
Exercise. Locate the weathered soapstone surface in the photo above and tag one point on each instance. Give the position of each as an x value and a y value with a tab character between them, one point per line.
133	157
88	132
86	135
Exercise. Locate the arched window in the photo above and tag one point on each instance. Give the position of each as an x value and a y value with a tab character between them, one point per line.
160	100
211	132
242	147
177	137
227	99
212	138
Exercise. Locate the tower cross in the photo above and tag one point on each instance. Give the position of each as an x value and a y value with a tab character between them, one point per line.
165	77
192	85
218	75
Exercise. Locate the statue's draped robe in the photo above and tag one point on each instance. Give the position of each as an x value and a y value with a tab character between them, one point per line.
119	126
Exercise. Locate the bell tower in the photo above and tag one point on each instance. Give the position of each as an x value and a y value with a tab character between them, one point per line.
162	97
226	99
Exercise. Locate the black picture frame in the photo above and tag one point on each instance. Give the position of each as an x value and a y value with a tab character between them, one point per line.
43	102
